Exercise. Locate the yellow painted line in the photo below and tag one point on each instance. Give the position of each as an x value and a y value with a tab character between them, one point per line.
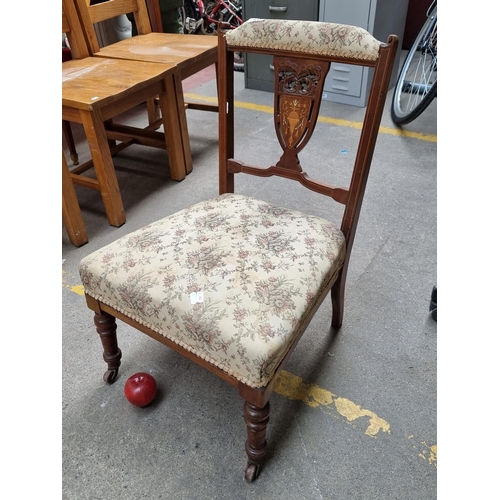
74	288
295	389
429	453
323	119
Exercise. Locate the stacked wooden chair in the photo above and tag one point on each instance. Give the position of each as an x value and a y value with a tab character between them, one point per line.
95	90
190	53
233	282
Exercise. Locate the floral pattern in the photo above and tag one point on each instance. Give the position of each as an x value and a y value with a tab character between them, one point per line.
309	37
260	269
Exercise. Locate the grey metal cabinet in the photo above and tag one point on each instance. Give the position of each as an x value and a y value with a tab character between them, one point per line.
259	72
346	83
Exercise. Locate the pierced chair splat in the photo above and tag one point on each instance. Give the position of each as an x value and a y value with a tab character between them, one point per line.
233	282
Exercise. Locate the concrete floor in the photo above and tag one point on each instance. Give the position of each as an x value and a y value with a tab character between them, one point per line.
366	427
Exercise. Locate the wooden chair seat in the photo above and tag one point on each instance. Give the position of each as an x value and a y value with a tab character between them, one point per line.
96	90
233	282
191	53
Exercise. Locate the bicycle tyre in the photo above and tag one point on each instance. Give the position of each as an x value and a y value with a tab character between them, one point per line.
234	21
188	12
416	86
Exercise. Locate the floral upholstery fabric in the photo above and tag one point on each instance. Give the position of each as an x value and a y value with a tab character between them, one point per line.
309	37
229	279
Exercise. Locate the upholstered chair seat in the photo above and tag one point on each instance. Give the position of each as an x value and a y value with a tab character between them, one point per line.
228	279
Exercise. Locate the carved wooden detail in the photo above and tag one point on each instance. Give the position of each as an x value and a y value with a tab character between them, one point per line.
299	86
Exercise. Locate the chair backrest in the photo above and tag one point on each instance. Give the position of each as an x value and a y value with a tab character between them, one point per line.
155	15
92	12
72	28
303	51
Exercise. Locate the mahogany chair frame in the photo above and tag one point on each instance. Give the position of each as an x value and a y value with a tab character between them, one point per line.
256	401
289	166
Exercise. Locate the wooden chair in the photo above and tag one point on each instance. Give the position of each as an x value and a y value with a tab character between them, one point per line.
72	216
232	283
155	18
191	53
95	90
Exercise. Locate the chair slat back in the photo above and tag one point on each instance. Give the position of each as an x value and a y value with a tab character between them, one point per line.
300	67
92	12
155	15
72	28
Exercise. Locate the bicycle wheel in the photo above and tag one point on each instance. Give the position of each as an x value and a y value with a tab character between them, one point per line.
189	18
230	13
233	18
416	86
210	22
239	61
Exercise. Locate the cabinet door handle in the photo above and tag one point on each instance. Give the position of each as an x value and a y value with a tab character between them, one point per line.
272	8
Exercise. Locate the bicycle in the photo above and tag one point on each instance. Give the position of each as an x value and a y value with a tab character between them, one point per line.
416	86
204	17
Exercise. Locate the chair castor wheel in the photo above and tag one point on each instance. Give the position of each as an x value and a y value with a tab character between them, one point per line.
251	472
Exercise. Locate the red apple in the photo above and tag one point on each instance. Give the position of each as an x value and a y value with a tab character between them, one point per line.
140	389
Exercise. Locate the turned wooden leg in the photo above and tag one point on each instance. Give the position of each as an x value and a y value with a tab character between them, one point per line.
256	420
106	328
